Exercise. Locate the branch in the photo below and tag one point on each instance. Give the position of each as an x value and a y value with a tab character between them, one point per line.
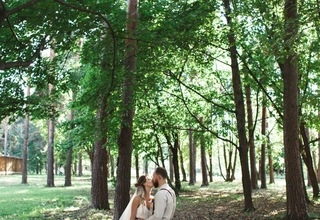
198	93
111	32
4	14
8	65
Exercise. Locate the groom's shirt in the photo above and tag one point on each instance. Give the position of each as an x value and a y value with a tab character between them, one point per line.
164	203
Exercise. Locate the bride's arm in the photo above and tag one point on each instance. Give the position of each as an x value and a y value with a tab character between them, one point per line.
134	207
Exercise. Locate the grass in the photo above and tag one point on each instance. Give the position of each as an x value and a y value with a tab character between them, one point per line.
220	200
33	200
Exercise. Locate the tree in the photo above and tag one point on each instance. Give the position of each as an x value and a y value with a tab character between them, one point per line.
192	158
68	166
99	188
240	112
25	145
296	201
263	148
252	148
203	160
125	137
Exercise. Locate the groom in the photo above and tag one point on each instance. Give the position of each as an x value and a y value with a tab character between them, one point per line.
165	198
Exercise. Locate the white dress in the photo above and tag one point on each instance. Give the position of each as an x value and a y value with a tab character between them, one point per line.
143	212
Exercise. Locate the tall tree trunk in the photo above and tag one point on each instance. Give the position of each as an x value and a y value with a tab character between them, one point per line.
51	130
171	172
122	194
50	153
25	143
263	148
307	158
296	200
210	165
203	160
146	164
175	160
253	168
99	189
318	168
192	162
240	112
183	171
270	162
80	164
68	167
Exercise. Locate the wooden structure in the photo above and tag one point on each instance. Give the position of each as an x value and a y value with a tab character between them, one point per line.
10	165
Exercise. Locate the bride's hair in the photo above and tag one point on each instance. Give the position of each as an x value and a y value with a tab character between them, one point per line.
140	188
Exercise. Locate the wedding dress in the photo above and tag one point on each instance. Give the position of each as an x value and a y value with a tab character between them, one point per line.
142	211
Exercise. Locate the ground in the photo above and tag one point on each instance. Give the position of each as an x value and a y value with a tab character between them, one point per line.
207	204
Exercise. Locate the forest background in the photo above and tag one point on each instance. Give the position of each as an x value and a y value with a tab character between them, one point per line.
152	82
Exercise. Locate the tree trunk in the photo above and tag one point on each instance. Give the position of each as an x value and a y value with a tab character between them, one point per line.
192	162
68	167
175	160
253	168
210	165
296	200
183	171
263	148
122	191
234	165
318	170
25	143
203	161
80	164
240	112
270	162
50	153
99	190
171	172
307	158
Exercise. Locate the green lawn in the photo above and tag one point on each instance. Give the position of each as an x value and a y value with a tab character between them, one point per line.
33	200
220	200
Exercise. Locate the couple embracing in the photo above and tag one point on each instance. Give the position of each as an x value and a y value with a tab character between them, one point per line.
143	206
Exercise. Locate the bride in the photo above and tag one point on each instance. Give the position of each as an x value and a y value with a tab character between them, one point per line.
140	205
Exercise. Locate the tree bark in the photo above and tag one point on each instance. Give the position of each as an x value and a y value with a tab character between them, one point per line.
296	200
210	165
99	190
263	148
203	161
318	170
240	112
175	160
25	143
183	171
80	164
50	153
192	162
68	167
122	194
253	168
307	158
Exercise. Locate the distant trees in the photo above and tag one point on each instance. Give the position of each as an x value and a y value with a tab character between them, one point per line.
191	64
